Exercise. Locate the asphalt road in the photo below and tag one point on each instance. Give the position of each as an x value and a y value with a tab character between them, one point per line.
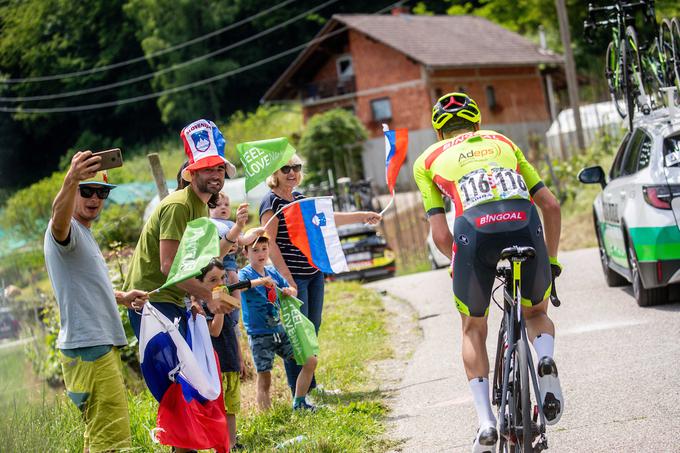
619	366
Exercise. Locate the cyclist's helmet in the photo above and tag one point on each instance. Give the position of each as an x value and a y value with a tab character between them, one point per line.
455	109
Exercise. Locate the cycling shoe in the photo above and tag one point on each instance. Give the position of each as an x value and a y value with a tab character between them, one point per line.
485	441
551	392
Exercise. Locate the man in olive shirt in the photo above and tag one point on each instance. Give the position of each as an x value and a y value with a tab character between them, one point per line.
161	235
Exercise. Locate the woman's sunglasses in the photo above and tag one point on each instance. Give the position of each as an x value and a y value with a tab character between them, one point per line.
287	168
87	192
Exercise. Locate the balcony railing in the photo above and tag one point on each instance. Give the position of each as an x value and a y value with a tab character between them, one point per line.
329	88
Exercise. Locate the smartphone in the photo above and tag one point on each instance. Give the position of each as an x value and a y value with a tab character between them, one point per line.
111	158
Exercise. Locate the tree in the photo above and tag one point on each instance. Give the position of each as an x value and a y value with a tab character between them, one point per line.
46	37
268	121
333	140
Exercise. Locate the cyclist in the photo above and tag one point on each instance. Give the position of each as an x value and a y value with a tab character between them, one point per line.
493	190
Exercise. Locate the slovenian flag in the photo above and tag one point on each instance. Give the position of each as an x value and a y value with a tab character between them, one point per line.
184	376
396	147
311	228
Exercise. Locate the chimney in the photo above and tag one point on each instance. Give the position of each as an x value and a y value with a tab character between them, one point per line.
398	10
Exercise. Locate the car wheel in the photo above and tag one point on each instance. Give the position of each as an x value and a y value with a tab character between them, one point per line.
611	277
644	297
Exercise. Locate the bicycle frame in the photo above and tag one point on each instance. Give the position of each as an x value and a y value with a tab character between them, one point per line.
514	328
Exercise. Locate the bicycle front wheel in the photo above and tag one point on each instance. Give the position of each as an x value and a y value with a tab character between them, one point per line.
525	396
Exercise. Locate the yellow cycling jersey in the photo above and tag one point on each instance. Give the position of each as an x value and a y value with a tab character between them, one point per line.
472	169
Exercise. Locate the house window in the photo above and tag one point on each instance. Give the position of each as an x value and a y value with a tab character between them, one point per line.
382	109
490	97
344	67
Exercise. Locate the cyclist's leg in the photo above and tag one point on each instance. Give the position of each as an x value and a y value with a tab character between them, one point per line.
540	328
472	283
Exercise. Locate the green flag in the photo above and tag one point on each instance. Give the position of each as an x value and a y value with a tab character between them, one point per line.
200	243
262	158
299	329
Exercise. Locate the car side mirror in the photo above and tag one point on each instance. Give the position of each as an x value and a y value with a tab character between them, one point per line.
592	175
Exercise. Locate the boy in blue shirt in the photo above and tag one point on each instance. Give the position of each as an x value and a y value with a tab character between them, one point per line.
266	335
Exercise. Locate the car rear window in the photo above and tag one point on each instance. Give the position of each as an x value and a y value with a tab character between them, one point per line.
671	151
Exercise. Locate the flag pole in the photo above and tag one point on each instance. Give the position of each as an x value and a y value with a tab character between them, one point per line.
389	205
291	204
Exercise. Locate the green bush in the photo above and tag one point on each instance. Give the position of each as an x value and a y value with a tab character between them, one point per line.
43	353
333	140
119	224
28	211
561	177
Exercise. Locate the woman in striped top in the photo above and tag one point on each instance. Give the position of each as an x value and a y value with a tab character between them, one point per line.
288	259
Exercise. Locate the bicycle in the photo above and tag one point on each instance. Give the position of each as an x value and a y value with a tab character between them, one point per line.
669	49
622	57
514	367
636	72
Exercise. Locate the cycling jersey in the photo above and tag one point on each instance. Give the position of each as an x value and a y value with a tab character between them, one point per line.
472	169
490	183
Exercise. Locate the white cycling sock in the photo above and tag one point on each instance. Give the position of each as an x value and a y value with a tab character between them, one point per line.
544	344
480	394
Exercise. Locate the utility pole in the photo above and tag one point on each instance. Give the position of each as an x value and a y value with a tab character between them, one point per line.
570	70
157	171
551	93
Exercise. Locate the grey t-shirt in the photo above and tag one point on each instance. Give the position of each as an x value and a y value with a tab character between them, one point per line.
81	283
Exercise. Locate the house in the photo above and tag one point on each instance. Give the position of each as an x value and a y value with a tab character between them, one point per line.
391	69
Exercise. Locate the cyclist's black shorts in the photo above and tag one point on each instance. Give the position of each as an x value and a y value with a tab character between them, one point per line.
480	234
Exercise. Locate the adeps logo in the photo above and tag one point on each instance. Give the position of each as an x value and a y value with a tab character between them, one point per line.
476	154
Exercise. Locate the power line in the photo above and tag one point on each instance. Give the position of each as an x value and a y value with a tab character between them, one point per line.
174	67
188	85
182	45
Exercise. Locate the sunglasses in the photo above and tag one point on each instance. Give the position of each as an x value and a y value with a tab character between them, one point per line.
87	192
287	168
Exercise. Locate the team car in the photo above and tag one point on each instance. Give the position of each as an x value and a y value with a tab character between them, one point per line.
637	214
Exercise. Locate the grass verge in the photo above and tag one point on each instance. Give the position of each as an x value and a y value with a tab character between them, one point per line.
354	335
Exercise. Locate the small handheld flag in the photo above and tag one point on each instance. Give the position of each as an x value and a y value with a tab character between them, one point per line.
199	244
262	158
396	147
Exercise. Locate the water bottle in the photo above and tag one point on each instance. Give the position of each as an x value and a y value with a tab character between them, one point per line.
291	442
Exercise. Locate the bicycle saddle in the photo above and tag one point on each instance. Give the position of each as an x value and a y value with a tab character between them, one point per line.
517	252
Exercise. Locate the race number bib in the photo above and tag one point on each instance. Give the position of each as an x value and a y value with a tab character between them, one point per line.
509	183
497	183
475	188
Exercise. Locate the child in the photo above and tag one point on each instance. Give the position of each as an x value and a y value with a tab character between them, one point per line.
263	325
225	341
220	216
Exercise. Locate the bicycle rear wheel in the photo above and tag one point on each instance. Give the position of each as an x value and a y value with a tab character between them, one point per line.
666	52
675	44
628	90
613	73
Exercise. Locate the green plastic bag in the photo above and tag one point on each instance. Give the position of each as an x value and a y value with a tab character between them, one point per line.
300	330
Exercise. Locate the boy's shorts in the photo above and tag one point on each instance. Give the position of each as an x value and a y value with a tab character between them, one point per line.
97	388
231	389
266	346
